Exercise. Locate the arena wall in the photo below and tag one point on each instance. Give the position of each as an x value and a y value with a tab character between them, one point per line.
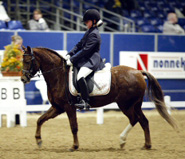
112	44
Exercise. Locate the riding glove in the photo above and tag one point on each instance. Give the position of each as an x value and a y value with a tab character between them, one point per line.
66	57
69	63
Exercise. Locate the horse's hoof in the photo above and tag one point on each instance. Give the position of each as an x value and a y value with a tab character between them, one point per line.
122	145
39	143
73	148
146	147
122	142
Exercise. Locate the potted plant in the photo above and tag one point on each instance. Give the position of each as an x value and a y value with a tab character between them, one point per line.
12	61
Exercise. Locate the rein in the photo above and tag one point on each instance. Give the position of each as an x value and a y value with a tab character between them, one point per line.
45	72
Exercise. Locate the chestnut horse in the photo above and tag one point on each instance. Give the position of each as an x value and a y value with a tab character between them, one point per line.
127	90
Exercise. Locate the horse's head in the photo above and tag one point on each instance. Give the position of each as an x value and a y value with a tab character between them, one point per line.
30	65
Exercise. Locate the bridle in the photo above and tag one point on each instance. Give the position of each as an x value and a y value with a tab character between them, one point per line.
30	72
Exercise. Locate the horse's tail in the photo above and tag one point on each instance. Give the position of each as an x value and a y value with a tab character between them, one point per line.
156	95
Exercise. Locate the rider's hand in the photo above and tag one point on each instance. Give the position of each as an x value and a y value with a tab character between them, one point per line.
67	57
69	63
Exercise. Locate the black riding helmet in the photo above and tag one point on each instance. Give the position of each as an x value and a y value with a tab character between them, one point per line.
92	14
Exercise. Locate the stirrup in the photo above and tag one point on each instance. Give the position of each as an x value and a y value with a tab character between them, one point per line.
82	105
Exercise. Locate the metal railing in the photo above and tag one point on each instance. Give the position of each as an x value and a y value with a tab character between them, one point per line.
69	19
59	18
122	24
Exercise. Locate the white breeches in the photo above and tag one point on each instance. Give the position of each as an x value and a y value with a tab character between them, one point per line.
83	72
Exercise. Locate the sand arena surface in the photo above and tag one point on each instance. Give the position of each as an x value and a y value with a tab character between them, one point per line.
96	141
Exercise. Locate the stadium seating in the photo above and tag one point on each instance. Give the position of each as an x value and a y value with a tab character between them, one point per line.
125	13
15	25
135	14
148	29
167	8
156	21
160	14
151	14
142	6
159	28
148	14
11	25
154	7
142	21
159	2
2	25
181	22
179	6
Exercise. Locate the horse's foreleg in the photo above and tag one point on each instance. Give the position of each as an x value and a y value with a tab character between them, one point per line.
124	134
51	113
74	127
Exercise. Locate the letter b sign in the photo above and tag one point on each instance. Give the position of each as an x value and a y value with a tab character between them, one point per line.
16	94
5	94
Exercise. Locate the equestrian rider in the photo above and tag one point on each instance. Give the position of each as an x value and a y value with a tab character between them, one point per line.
85	55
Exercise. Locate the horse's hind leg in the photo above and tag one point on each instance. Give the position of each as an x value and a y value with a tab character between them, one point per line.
51	113
129	112
123	135
145	125
135	114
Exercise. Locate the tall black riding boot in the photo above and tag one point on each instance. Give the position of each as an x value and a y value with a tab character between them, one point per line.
84	94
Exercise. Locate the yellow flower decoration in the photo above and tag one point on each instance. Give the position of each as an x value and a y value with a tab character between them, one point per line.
12	60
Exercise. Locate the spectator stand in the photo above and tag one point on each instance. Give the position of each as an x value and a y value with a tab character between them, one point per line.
11	25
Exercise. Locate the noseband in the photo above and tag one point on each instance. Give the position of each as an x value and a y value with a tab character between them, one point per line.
29	73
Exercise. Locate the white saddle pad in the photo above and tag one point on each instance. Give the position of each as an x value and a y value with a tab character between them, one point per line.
102	79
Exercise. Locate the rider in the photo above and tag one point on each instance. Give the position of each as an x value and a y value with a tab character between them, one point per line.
85	55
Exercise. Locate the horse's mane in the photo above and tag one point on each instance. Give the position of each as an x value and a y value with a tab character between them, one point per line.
50	50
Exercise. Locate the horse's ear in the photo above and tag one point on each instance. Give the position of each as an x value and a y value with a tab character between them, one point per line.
24	48
29	49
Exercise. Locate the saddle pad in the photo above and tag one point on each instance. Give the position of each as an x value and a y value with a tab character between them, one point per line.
102	79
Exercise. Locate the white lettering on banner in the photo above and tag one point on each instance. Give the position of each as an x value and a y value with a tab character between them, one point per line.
161	65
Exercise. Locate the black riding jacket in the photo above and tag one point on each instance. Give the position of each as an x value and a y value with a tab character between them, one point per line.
86	52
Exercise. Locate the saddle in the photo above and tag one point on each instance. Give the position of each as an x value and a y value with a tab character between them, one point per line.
89	80
98	82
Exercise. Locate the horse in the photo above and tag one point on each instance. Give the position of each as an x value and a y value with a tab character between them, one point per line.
127	89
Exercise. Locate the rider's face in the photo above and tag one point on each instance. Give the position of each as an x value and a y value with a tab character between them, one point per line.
88	24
